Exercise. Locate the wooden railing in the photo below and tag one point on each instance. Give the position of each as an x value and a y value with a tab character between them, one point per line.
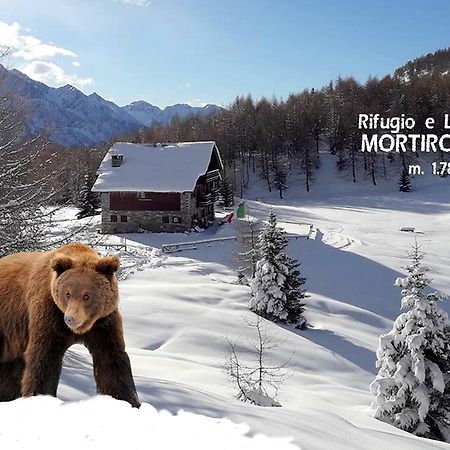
192	245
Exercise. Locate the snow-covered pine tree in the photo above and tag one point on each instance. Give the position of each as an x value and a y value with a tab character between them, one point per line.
275	287
412	386
88	201
404	183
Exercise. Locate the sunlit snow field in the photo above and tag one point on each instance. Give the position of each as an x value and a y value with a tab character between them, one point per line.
179	308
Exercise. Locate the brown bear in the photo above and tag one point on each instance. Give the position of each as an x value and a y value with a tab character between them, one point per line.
51	300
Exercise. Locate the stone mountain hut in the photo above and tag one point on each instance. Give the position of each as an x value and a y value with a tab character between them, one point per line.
158	187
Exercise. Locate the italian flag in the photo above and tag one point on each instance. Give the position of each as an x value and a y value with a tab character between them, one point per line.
240	213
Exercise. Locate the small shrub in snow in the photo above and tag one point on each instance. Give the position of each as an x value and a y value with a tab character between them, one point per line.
276	284
256	378
412	386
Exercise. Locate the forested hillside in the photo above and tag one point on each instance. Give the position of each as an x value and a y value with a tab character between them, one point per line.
437	62
274	138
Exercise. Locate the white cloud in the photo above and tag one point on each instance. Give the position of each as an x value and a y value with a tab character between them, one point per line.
186	85
52	74
33	57
136	2
28	47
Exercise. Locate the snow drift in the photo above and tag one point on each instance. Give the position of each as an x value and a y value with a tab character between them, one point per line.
102	422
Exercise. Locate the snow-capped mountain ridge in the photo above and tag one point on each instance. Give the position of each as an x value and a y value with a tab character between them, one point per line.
71	118
146	113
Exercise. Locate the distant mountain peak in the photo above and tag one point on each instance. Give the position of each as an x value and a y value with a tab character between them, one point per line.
142	103
69	88
95	95
73	119
147	113
66	115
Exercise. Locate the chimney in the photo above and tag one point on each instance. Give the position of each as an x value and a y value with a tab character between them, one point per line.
116	160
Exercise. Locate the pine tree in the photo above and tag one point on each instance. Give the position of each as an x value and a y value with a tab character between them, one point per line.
88	200
226	193
276	293
404	183
294	293
412	386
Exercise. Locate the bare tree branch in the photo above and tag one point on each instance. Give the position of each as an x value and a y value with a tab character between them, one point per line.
258	380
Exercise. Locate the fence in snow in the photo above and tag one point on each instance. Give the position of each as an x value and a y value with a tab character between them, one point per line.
192	245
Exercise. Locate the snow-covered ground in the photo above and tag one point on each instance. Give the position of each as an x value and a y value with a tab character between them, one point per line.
179	309
102	422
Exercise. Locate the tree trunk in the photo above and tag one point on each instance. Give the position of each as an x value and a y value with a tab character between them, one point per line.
353	167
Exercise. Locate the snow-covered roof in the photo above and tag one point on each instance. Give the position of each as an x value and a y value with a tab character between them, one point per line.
173	167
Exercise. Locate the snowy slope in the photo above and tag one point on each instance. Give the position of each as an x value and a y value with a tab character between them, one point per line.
107	423
178	312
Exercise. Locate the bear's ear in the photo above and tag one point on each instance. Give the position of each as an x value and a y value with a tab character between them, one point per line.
108	265
61	263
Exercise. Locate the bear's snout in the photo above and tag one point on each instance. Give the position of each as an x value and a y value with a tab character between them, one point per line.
76	316
74	323
70	320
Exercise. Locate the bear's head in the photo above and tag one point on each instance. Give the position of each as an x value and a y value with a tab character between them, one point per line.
84	292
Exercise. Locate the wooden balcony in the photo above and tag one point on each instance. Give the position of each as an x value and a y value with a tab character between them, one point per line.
213	175
205	199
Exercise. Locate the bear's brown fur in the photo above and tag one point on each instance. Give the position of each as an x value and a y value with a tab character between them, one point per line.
51	300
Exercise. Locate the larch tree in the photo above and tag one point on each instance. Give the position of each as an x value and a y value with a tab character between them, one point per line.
252	370
26	187
248	254
404	183
280	180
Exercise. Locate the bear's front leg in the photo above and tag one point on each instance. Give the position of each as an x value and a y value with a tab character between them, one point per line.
47	343
11	373
112	369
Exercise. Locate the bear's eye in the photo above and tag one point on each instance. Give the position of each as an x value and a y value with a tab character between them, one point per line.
67	295
86	297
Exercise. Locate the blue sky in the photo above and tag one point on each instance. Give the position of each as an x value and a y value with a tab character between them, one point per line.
209	51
